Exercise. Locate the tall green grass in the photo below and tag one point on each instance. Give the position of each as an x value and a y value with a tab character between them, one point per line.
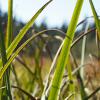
6	51
5	82
97	21
63	58
61	61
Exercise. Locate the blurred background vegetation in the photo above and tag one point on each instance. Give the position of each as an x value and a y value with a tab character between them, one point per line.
32	64
17	25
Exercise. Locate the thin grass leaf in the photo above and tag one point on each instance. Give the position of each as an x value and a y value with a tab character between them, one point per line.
93	93
8	41
63	58
47	86
82	34
82	91
69	97
97	21
23	32
71	83
5	92
83	50
9	23
85	20
2	47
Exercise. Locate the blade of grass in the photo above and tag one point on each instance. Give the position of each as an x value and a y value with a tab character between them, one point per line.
5	92
79	78
21	47
82	34
63	58
71	83
81	72
8	41
97	21
83	51
2	88
86	19
24	30
15	42
9	24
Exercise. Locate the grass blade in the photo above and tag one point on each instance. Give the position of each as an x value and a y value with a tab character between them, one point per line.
97	21
5	92
17	51
9	24
23	31
83	50
8	42
21	34
63	58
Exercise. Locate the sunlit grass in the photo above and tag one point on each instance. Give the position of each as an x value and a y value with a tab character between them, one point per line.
27	77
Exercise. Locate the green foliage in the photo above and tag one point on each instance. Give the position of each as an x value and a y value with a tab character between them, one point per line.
63	58
11	48
31	61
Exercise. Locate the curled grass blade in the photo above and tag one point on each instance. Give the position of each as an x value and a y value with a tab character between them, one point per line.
16	53
2	47
18	50
97	21
82	34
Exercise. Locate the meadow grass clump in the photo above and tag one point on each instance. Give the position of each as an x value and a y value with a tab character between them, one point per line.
6	51
23	77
